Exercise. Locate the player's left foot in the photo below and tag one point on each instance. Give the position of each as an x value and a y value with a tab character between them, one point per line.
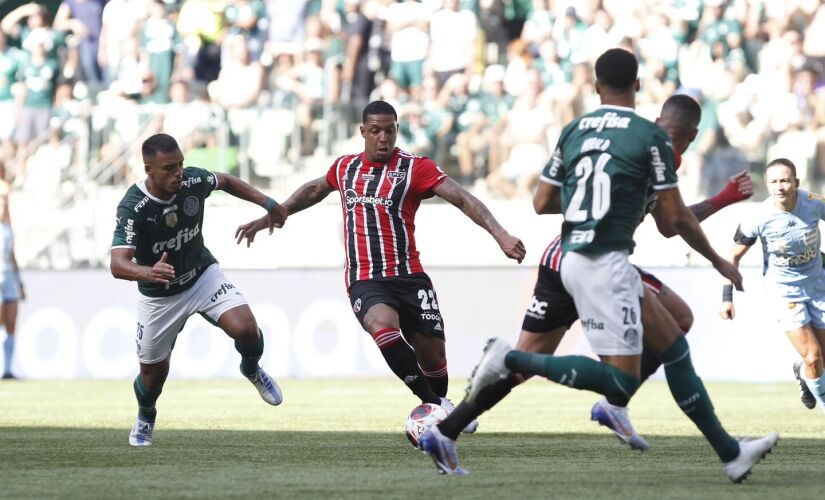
751	451
443	451
449	406
267	387
805	394
141	434
9	376
615	418
490	368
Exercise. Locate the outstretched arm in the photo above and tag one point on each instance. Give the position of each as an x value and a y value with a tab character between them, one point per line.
304	197
123	267
473	208
686	225
739	187
727	310
276	214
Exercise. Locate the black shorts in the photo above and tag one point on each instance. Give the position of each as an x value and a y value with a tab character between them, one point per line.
412	296
551	306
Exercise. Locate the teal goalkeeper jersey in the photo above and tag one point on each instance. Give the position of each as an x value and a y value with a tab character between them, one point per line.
152	226
604	163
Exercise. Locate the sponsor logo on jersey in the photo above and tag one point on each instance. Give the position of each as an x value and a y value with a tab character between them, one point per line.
224	289
191	181
657	163
555	163
357	306
352	198
185	235
592	324
191	205
183	279
141	203
578	236
368	177
537	308
795	260
791	223
431	316
129	230
607	120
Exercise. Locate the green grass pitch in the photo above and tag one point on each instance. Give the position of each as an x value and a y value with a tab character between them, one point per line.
344	439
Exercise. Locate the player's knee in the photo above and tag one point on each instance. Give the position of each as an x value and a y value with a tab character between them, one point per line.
244	330
685	320
813	359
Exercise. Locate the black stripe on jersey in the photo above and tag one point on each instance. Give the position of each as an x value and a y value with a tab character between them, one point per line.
348	182
372	223
399	193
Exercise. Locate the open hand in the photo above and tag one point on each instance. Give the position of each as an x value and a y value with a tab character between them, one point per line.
250	229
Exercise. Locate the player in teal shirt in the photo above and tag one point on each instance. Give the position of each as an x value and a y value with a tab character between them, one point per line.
158	242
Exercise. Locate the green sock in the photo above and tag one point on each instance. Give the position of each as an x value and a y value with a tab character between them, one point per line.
689	392
578	372
146	400
250	354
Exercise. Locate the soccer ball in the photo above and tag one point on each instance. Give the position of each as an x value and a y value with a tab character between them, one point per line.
421	418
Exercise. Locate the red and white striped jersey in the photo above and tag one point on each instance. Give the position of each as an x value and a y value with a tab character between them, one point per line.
551	257
379	202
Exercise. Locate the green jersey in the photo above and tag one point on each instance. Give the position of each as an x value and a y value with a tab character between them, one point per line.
152	226
604	163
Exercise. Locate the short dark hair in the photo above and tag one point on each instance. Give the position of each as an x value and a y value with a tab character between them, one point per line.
378	108
785	162
684	109
158	143
617	69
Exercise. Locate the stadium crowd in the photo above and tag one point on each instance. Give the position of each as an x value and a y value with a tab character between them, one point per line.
482	86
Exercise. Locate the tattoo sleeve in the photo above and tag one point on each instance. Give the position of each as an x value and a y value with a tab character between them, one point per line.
702	210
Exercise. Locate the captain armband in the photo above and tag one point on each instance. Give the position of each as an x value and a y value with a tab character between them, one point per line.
740	238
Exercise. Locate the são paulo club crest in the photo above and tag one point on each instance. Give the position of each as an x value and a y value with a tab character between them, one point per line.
357	306
191	205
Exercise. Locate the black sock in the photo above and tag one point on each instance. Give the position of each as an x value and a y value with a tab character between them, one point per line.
465	412
438	379
250	354
401	359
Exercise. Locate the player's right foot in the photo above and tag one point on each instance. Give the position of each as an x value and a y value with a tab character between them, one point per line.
9	376
490	368
443	451
616	419
805	394
751	451
267	387
141	434
449	406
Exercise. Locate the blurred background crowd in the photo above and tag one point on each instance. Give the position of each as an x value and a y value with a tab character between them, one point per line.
272	90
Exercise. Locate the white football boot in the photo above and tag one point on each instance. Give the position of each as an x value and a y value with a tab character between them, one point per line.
267	387
141	434
751	451
490	368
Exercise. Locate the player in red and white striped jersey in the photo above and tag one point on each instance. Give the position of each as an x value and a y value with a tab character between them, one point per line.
381	189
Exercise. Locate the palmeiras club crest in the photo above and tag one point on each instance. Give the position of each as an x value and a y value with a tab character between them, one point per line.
191	205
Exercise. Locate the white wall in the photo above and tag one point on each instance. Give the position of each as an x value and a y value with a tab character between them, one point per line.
82	324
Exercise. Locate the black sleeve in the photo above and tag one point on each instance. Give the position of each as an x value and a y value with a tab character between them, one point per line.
740	238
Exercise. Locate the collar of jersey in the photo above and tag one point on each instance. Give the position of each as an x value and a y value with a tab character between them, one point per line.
142	186
619	108
374	164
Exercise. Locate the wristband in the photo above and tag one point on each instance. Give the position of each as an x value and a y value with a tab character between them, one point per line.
727	196
727	293
269	204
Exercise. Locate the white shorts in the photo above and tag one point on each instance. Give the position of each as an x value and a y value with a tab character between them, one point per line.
800	304
160	319
608	293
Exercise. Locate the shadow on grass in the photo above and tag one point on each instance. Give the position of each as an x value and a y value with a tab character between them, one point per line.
72	462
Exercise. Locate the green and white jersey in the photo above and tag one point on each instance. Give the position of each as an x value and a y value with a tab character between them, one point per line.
604	163
152	226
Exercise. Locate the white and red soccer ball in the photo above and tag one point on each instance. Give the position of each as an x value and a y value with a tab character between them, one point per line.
422	418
